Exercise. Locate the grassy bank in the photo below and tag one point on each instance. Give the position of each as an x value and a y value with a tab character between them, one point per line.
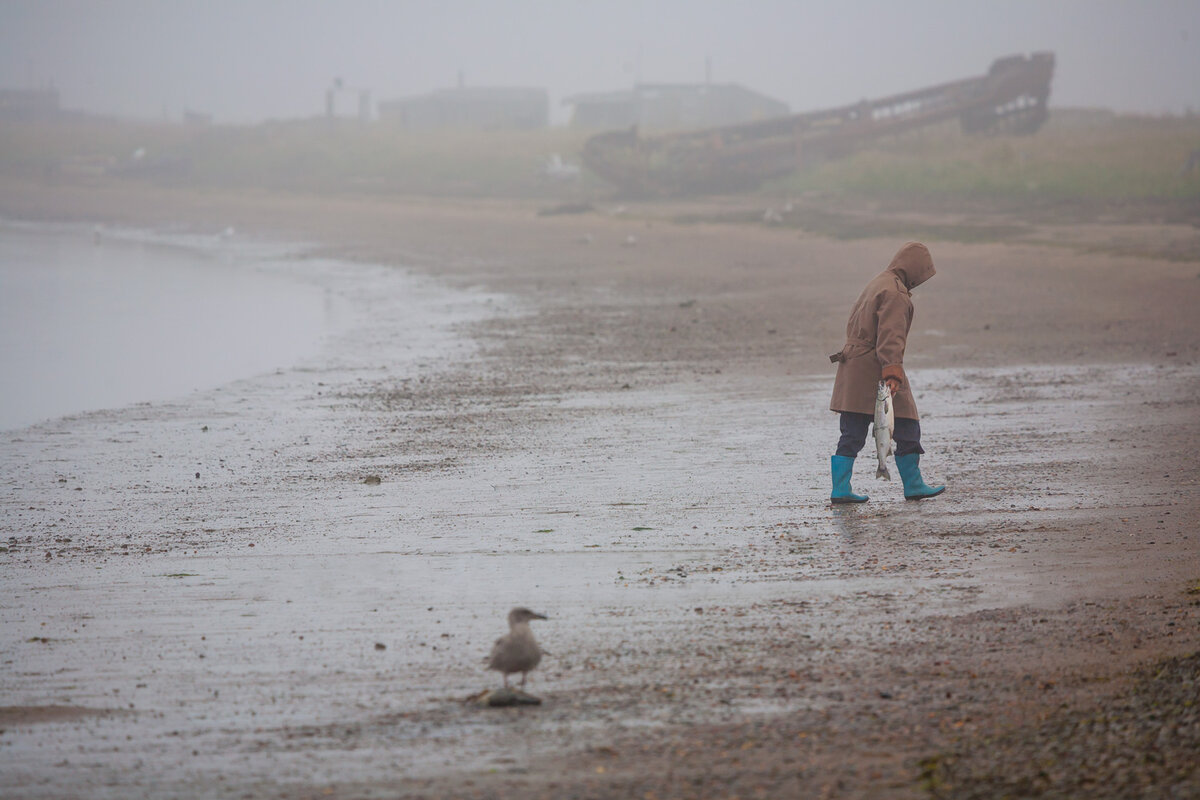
309	156
1084	160
1080	158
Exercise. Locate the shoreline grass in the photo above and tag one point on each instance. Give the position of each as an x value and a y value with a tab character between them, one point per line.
1086	158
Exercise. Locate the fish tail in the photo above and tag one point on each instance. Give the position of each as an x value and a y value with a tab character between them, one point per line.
882	472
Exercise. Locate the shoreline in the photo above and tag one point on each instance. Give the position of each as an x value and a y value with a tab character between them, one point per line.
774	294
174	305
630	394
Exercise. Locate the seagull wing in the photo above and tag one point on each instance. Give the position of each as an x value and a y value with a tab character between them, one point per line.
497	649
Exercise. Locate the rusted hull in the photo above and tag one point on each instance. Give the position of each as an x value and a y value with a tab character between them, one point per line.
1010	98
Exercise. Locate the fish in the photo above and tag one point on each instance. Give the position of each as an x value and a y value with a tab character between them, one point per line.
885	423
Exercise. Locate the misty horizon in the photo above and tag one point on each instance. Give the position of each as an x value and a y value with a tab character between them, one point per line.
270	59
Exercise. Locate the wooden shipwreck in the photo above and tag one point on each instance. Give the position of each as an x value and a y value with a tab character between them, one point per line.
1010	98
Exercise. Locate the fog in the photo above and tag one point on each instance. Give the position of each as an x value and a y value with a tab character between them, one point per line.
244	61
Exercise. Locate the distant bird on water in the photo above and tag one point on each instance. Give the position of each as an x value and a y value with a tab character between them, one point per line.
517	650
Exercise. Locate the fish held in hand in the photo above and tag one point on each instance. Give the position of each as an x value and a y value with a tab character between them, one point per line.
884	424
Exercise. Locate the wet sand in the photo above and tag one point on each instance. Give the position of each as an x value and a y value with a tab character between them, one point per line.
634	441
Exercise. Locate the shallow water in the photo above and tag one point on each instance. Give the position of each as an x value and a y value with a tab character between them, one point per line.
91	321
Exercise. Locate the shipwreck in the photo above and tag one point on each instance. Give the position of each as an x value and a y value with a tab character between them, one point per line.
1009	99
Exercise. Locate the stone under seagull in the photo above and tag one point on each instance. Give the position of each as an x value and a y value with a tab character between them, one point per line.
517	650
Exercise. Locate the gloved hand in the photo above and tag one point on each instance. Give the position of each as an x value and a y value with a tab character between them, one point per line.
893	376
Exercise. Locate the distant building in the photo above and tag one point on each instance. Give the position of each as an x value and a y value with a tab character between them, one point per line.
337	89
197	119
471	108
29	104
673	106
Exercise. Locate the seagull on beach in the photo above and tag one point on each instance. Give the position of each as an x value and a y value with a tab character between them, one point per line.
517	650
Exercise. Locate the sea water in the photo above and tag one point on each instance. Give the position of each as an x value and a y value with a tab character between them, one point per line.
93	319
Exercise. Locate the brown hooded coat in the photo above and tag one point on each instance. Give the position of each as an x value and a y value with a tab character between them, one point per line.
876	334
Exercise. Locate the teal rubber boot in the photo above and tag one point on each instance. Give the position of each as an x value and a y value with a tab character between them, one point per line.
842	493
915	488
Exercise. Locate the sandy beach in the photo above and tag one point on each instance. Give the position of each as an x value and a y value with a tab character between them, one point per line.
286	586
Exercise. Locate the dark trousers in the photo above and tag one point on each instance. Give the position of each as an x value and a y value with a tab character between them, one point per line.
907	434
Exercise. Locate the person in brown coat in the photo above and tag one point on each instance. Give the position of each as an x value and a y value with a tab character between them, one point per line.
874	351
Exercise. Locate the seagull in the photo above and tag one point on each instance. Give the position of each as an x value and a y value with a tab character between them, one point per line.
517	650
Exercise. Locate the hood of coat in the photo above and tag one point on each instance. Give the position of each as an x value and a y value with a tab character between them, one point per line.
913	264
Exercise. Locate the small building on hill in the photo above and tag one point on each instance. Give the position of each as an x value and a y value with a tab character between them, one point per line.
673	106
471	108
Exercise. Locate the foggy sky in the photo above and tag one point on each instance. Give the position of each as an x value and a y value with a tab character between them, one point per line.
248	60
